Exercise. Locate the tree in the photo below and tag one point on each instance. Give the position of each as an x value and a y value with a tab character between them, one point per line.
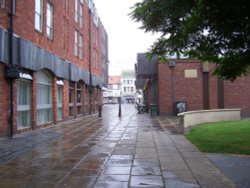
217	31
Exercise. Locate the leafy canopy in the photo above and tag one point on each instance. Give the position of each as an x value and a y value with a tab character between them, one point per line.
210	30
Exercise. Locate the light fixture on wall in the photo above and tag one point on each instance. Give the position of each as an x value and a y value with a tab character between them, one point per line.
172	65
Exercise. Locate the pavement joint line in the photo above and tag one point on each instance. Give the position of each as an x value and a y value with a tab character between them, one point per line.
165	130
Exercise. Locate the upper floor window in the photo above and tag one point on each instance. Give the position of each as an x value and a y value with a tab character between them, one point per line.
81	14
76	43
66	5
49	23
2	2
80	46
39	15
76	11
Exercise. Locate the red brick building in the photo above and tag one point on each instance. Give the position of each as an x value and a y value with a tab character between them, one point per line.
56	55
191	82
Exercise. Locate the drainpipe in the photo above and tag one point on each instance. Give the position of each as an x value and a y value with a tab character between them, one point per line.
90	62
11	80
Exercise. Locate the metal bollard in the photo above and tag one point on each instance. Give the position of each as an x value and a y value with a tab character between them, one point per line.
120	109
100	111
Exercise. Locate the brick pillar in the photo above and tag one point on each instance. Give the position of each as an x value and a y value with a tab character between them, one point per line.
75	98
87	99
34	102
65	99
15	107
83	98
54	99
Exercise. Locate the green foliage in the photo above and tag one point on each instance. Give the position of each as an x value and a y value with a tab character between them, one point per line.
211	30
223	137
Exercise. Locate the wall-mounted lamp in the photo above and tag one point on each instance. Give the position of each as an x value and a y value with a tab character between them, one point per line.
172	65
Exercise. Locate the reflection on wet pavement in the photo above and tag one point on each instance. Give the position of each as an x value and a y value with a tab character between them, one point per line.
132	151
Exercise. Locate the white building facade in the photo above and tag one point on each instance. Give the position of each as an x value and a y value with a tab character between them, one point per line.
128	86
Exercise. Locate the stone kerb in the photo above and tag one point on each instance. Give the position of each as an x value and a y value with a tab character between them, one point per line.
191	118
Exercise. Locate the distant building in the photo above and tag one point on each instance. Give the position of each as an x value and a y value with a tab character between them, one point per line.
128	86
189	84
113	93
53	62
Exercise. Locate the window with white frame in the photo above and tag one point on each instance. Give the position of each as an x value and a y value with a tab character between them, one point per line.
66	5
76	11
49	20
71	98
81	14
76	43
80	46
59	99
44	98
2	3
23	102
39	15
79	98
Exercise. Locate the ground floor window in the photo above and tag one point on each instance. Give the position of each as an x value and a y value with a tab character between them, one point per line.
44	98
59	100
86	99
71	98
79	98
23	103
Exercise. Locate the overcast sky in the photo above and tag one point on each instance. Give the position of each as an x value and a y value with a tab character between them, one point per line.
125	39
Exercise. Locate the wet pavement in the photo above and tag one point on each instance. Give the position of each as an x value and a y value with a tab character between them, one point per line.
235	167
135	150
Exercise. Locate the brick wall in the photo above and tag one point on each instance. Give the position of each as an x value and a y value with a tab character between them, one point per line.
4	103
66	99
185	89
64	28
236	94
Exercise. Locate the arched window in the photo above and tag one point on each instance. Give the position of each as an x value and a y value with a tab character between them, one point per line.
44	98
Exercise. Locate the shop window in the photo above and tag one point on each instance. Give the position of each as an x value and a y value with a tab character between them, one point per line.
86	98
44	98
79	98
23	102
71	98
59	99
